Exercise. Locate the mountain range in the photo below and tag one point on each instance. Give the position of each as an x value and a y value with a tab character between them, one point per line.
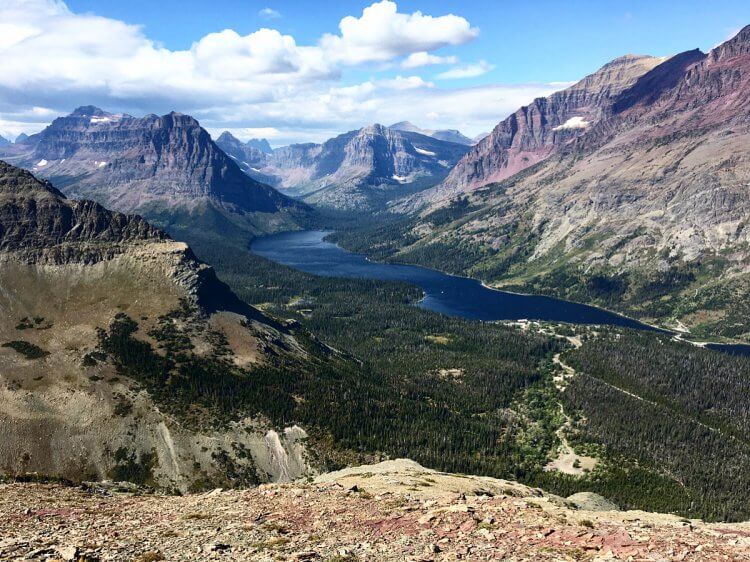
165	168
627	189
448	135
124	357
359	170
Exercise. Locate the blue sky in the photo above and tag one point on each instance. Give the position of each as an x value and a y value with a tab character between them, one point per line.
526	40
456	64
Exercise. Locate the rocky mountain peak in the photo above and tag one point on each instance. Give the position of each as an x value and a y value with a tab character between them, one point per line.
536	131
89	111
734	47
143	164
652	84
178	119
617	74
374	129
226	136
260	144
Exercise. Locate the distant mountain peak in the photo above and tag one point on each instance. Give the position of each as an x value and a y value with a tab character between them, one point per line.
158	166
89	111
260	144
226	136
405	126
448	135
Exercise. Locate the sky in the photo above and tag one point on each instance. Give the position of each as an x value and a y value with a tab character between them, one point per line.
300	71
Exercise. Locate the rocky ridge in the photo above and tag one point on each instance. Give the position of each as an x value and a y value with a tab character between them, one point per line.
395	510
534	132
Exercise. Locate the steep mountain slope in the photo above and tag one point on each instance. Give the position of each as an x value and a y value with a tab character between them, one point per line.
113	339
534	132
448	135
644	210
249	158
166	168
361	169
4	142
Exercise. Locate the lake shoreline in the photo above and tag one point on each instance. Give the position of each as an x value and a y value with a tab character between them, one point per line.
452	294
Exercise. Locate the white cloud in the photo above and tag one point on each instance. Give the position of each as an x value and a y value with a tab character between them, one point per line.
572	123
423	58
381	34
405	83
54	60
269	14
468	71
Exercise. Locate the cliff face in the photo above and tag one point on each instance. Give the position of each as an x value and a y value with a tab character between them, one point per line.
72	274
155	165
535	131
35	218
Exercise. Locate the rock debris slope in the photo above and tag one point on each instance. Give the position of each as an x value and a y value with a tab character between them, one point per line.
394	511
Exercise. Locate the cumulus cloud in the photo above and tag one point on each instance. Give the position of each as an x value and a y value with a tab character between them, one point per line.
572	123
467	71
54	59
269	14
381	34
405	83
423	58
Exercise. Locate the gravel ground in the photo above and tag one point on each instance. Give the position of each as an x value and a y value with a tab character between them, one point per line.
391	512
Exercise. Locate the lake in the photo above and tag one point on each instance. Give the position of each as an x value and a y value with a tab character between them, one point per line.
447	294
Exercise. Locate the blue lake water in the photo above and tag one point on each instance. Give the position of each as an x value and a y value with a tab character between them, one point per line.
448	294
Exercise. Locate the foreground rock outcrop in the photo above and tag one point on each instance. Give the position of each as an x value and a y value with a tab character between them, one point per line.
395	510
69	272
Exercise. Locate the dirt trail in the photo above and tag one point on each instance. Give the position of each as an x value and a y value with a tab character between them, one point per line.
567	461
